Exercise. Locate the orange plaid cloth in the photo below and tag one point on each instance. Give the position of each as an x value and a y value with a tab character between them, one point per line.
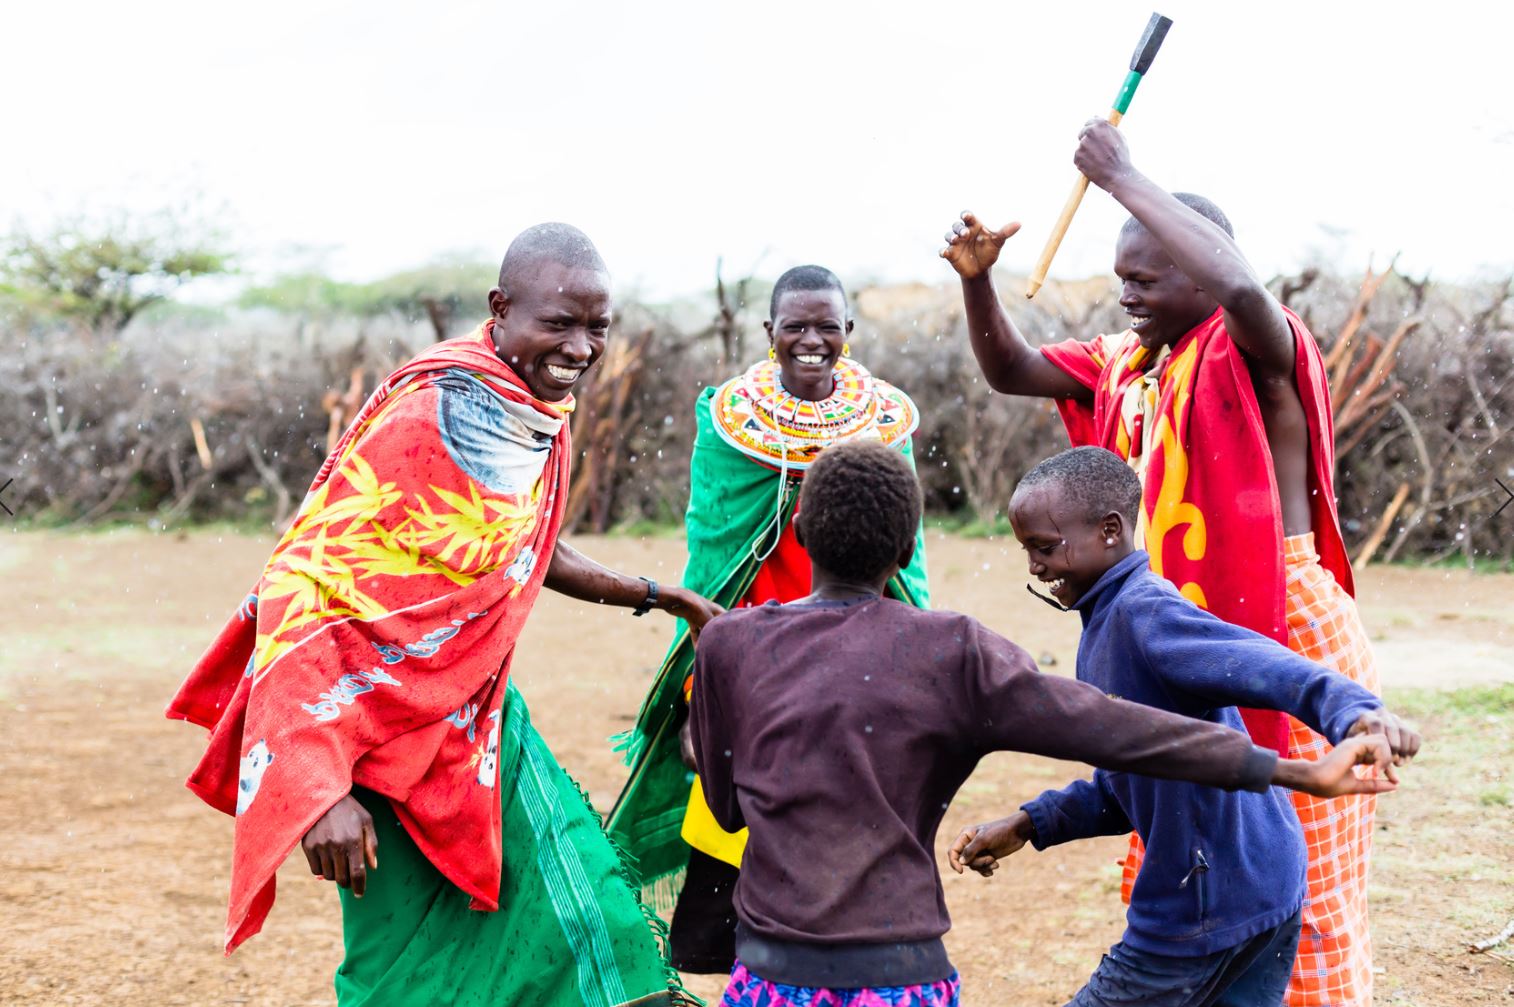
1334	965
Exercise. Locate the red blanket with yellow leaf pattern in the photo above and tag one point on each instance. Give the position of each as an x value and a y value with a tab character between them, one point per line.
375	647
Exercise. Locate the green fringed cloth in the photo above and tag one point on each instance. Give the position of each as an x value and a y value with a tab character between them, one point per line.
735	516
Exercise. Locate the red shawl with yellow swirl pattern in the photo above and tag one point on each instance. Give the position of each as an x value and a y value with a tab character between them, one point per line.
1213	521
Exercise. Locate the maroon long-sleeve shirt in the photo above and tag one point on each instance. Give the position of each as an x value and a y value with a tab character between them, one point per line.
838	733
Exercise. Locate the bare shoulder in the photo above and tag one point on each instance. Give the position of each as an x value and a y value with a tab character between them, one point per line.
1258	324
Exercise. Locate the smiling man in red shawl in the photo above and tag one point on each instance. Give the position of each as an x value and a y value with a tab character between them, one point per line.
1217	396
359	700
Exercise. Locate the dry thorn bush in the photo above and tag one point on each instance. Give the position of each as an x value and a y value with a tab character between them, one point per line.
1424	386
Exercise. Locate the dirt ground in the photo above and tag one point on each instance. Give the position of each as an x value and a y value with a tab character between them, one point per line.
113	877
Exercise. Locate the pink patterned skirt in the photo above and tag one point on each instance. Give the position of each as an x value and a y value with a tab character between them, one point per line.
748	990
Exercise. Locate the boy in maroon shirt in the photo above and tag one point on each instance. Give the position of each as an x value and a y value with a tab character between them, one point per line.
837	728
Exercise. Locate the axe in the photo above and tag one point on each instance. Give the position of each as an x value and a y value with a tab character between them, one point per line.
1146	51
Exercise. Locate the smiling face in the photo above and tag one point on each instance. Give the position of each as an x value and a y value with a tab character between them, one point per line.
1065	550
551	327
807	331
1162	302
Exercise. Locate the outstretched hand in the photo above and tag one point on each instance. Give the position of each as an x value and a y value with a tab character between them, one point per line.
342	845
1402	739
1335	776
694	609
972	248
981	847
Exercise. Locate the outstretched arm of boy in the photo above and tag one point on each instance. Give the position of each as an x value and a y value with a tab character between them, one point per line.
1335	774
1010	705
1009	363
1227	665
981	847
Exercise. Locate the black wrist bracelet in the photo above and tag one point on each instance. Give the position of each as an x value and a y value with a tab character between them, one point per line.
649	600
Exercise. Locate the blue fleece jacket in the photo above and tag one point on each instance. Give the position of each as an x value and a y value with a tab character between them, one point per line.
1221	866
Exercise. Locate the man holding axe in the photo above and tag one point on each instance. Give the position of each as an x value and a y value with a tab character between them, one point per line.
1218	397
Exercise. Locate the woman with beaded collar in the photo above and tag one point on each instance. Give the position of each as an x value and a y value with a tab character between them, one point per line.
757	434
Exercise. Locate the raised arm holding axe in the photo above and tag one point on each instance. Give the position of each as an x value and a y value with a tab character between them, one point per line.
1218	397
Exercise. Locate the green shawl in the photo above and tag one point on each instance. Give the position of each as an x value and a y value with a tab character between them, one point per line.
730	526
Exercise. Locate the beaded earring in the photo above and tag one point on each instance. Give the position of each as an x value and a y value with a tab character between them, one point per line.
846	349
772	353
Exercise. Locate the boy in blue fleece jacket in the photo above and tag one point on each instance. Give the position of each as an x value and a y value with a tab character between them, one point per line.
1214	916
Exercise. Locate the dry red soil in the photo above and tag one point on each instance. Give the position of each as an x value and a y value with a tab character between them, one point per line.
113	877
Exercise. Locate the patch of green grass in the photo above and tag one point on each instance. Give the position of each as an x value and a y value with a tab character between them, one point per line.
647	528
1441	860
253	524
1498	797
57	650
1461	770
1458	561
13	553
1486	700
968	525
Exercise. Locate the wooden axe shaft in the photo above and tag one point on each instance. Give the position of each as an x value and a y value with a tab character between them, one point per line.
1145	52
1043	264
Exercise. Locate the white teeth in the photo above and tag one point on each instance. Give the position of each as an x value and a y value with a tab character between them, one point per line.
809	358
1137	322
563	373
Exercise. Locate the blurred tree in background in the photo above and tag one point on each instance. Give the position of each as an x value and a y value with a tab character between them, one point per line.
97	276
436	293
224	413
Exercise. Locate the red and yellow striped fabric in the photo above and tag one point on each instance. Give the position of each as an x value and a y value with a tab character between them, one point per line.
1210	513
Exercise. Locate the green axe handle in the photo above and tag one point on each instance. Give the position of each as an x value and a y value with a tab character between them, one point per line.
1146	51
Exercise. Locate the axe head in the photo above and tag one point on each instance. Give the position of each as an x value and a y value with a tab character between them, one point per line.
1151	41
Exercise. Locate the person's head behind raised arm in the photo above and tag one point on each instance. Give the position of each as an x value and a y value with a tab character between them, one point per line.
808	325
859	510
551	309
1075	514
1163	303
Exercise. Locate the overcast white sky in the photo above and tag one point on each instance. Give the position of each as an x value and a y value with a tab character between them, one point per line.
366	138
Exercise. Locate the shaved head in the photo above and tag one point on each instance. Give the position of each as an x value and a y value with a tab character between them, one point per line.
551	309
1198	204
563	244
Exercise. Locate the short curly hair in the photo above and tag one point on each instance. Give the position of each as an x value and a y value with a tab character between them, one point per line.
1201	205
804	278
859	509
1096	481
